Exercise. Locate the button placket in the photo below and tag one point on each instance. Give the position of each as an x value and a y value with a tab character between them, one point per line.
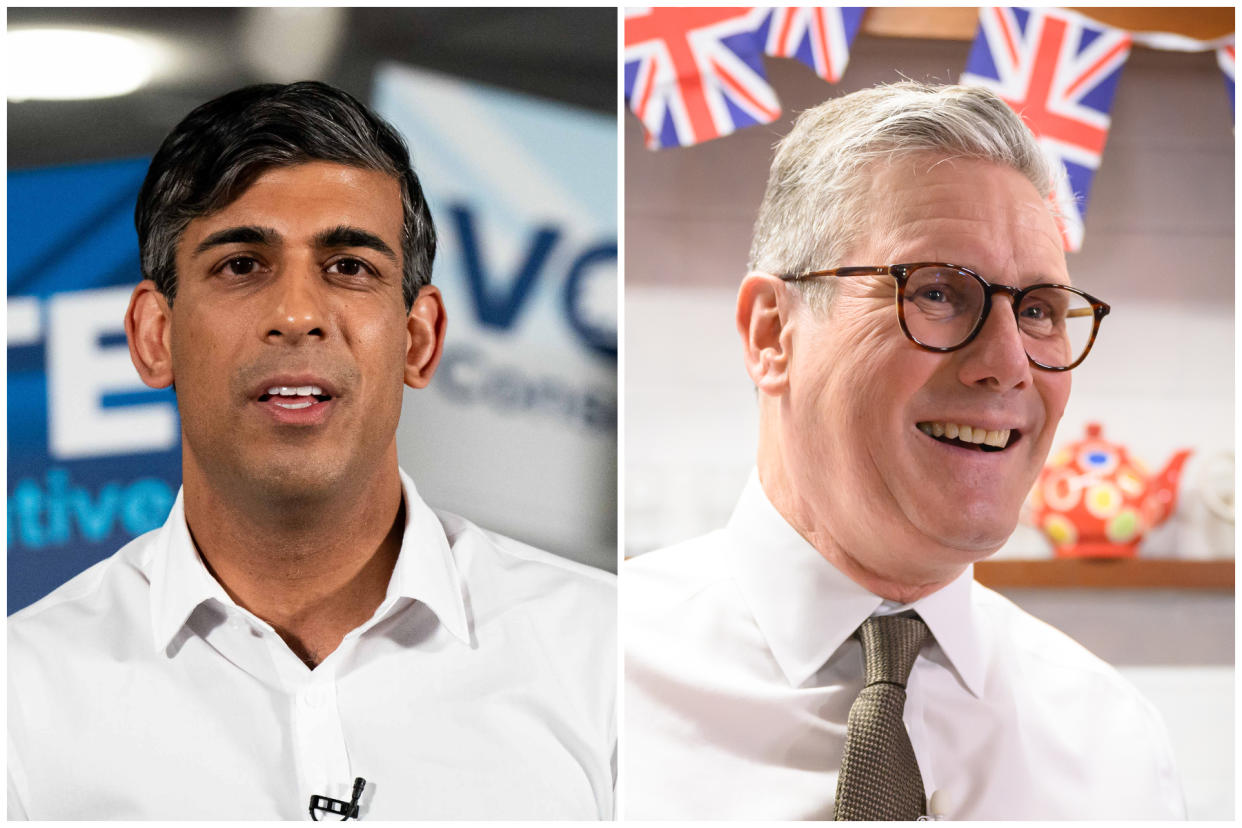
239	641
319	739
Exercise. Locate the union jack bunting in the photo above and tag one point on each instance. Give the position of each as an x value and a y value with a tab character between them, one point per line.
1225	57
693	74
820	37
1058	71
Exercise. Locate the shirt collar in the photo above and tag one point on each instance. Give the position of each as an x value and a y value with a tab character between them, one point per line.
806	608
425	571
948	613
179	580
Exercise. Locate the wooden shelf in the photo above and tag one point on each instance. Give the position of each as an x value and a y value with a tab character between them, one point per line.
961	23
1107	573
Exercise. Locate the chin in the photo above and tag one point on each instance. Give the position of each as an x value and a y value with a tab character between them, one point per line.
291	479
977	530
977	544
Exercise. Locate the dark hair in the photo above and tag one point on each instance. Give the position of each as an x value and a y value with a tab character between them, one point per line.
217	151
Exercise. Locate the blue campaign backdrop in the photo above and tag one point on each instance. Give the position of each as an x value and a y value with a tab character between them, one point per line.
94	456
518	430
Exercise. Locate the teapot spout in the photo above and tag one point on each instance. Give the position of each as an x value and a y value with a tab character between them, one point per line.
1162	494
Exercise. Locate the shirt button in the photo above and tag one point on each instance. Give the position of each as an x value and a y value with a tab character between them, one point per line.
315	697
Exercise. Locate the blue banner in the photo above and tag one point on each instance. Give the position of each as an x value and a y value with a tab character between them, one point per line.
94	455
518	428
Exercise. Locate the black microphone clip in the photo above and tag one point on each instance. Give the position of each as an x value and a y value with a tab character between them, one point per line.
345	810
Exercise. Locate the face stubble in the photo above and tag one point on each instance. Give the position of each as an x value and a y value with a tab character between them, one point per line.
225	340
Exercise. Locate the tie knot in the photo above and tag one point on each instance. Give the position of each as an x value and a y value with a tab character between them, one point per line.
890	645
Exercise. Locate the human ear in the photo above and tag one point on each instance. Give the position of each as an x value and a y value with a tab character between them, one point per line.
763	322
148	327
425	325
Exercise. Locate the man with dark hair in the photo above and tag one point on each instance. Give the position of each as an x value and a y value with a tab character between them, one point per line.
304	633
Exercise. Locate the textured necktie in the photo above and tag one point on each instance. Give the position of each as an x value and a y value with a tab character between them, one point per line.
880	777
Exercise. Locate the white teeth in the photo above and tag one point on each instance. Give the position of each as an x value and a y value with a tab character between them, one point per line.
295	391
967	434
294	405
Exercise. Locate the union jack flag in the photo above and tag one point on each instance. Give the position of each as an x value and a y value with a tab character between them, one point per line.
1059	72
819	37
1225	57
693	74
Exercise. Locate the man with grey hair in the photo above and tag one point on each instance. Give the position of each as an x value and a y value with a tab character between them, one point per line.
910	327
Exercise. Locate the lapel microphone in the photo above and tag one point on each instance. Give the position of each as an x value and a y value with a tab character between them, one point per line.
345	810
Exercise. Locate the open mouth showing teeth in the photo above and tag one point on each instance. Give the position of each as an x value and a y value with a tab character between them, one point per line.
295	397
971	437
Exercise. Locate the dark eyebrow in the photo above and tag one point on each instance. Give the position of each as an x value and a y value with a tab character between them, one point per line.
239	235
344	236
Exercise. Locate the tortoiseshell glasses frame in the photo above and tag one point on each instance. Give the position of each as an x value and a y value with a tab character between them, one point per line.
901	273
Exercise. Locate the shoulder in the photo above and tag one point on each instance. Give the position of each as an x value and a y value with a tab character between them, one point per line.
1065	681
1031	640
99	618
98	602
684	612
1066	695
558	614
510	573
467	539
665	579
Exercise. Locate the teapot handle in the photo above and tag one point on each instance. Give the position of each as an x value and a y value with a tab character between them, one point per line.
1219	500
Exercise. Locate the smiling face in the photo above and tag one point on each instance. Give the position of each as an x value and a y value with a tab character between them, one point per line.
295	284
901	503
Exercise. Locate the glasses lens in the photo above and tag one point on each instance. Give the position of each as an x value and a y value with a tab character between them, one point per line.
942	305
1056	326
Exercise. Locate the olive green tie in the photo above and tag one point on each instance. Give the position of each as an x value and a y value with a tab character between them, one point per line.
880	777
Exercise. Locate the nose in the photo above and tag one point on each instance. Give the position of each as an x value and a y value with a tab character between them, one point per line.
297	308
996	359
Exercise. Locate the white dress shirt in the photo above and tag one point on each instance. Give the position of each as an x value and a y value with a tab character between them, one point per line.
482	687
741	669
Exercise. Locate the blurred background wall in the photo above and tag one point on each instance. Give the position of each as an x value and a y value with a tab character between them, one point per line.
1159	248
510	117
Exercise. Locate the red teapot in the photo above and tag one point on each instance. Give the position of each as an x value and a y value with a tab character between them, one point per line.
1093	499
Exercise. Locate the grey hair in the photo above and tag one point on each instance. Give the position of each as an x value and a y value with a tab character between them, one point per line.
814	206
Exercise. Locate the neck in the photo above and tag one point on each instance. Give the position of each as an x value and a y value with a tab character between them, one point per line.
891	573
314	568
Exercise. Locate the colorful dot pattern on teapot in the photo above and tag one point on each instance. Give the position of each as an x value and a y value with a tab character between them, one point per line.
1093	499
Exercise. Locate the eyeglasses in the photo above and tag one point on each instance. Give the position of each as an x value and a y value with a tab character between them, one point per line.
942	307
